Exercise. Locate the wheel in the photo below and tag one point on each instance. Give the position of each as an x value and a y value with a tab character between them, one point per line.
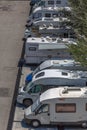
27	102
84	125
35	123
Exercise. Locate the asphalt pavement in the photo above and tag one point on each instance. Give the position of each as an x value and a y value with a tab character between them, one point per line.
13	15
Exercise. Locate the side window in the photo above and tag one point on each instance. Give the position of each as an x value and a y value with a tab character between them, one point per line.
50	2
64	73
42	3
58	2
47	15
44	108
32	90
66	108
65	35
39	75
36	89
39	15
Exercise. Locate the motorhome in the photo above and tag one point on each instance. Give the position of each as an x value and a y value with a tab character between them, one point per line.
60	106
48	78
51	3
54	15
63	31
68	64
38	49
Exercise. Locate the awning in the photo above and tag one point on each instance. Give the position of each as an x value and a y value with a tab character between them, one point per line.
52	46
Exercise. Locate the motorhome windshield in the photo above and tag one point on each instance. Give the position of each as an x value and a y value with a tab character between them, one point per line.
28	86
35	105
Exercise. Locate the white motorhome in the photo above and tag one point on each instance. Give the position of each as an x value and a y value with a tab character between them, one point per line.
63	31
51	3
67	64
53	15
38	50
61	77
60	106
48	78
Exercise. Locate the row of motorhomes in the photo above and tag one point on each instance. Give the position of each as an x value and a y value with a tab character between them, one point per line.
56	91
50	33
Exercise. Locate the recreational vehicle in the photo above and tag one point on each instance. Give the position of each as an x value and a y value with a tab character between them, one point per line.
45	79
55	15
55	64
51	3
38	50
63	31
60	106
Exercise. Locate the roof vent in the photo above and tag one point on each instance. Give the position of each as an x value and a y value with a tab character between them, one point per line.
48	39
51	25
55	62
65	90
85	92
33	38
42	39
59	39
44	25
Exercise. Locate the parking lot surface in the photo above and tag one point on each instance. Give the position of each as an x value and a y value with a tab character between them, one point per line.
13	16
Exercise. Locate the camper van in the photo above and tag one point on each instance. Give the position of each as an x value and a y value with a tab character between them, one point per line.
68	64
48	78
38	49
63	31
53	15
59	106
51	3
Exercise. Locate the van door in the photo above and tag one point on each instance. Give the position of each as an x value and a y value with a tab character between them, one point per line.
35	92
43	114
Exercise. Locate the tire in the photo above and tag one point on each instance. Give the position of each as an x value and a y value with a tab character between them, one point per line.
27	102
84	125
35	123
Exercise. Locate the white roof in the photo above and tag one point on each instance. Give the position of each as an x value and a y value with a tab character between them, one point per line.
60	73
51	9
64	92
51	20
52	27
49	63
46	40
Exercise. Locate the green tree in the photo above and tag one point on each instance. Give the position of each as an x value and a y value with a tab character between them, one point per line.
78	21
